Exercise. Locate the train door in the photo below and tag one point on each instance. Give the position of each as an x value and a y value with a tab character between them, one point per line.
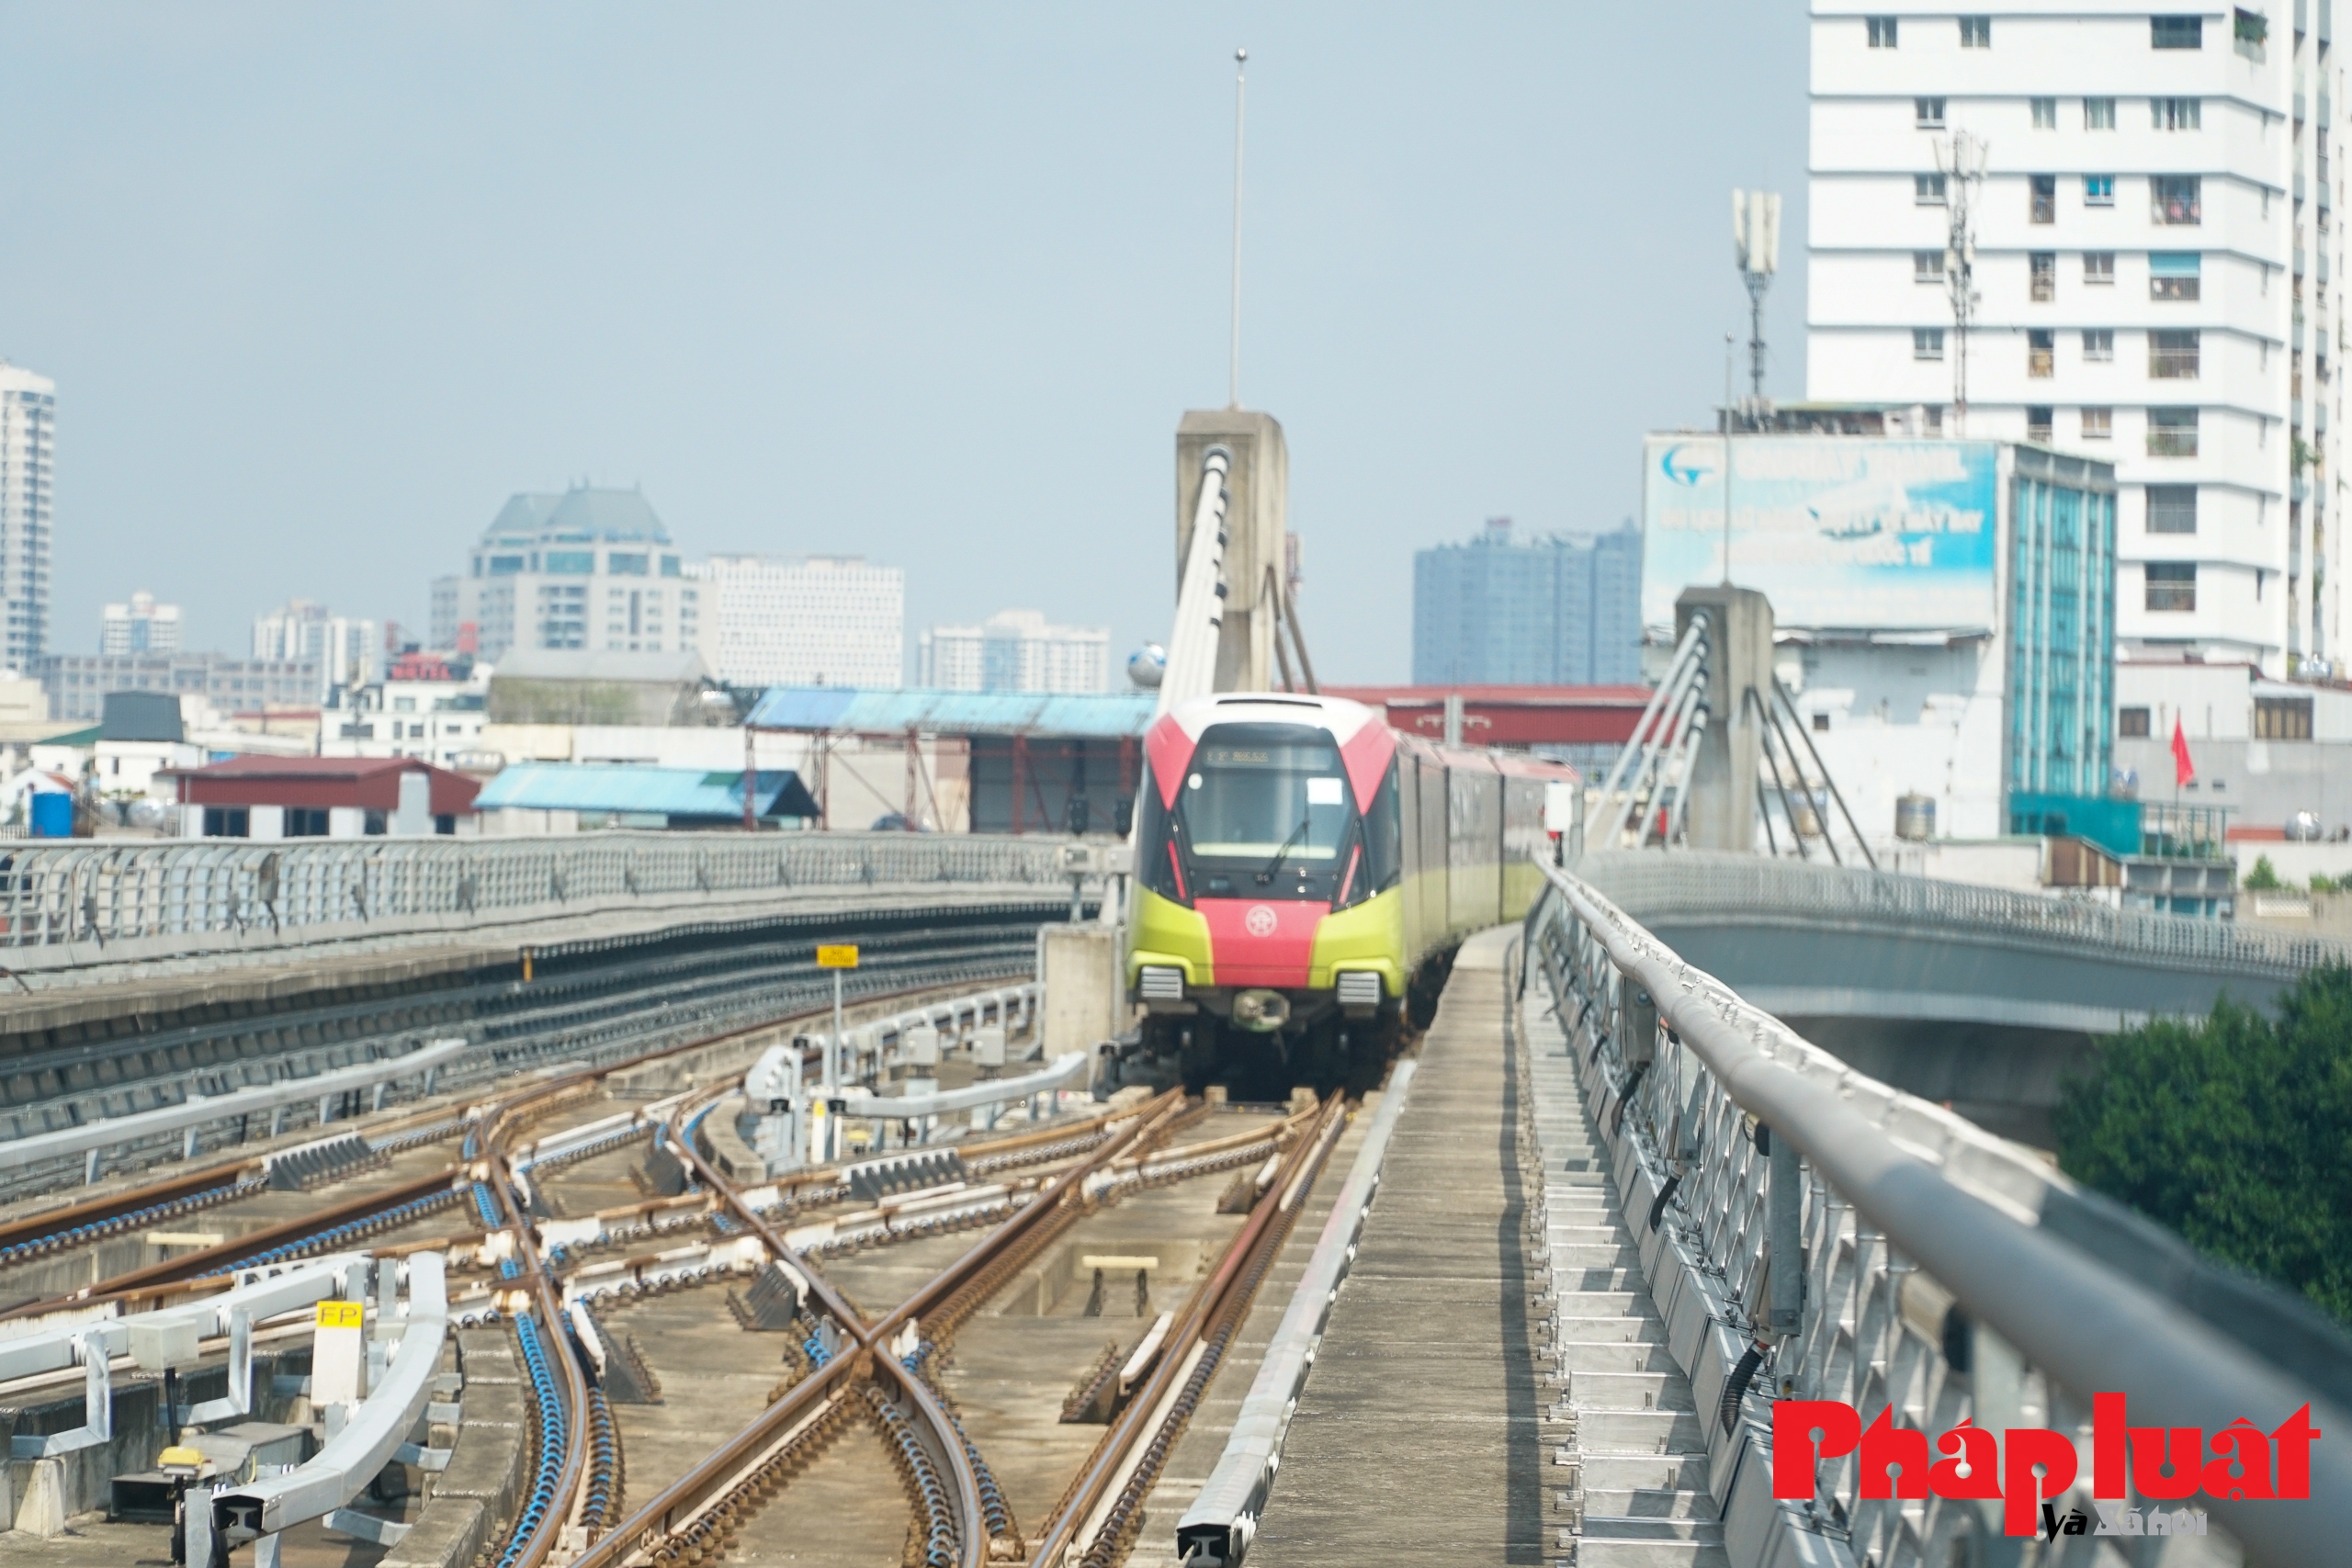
1475	825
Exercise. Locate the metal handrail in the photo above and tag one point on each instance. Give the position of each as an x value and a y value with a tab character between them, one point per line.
95	896
1760	890
1894	1189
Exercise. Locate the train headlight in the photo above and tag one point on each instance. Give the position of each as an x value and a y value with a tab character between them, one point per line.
1161	983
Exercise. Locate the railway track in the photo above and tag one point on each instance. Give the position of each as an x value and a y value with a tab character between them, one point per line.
851	1369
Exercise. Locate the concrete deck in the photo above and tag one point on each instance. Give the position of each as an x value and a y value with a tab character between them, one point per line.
1416	1437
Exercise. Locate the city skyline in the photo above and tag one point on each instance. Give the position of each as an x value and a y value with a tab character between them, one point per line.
394	377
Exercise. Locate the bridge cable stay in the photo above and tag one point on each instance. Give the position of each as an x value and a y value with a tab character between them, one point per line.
1287	622
1806	802
1647	729
1200	602
1656	746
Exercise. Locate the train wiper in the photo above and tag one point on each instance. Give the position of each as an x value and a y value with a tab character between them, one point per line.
1282	854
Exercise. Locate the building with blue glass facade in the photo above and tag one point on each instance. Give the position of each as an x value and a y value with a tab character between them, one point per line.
1550	612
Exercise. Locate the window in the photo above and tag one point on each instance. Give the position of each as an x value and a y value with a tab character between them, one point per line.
2099	424
1976	32
2249	33
573	563
2172	433
227	822
2282	719
2040	423
2098	190
670	567
2040	353
1928	190
2172	198
506	566
2042	274
2174	33
2176	114
1927	343
2171	586
1927	114
1881	33
2173	274
2045	113
1927	267
1821	722
2045	198
2131	723
2172	509
2098	114
2098	266
632	564
305	822
2172	356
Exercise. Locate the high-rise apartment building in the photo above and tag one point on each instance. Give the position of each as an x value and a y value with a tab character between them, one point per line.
140	627
2157	271
27	441
1549	612
587	569
824	620
1015	650
347	651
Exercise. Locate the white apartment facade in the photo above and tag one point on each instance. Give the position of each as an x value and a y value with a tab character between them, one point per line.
2158	276
823	621
27	447
1015	650
589	571
348	650
144	626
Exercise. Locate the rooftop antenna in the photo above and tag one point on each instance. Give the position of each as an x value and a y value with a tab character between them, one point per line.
1240	100
1961	161
1756	236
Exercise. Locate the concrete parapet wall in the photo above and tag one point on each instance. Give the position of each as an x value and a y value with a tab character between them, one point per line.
476	1497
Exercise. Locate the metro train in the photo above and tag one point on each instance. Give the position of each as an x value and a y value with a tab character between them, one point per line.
1303	872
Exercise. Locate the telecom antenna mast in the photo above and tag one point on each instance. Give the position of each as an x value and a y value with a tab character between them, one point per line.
1962	163
1755	238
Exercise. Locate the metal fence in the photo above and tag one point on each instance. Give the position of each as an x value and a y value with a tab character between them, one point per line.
1661	886
1809	1233
99	895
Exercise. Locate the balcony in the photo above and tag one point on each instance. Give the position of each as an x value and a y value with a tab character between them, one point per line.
2172	441
2041	363
2175	201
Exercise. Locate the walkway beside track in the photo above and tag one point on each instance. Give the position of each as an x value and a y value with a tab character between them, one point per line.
1416	1437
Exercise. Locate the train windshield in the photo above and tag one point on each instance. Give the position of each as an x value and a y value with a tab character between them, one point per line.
1266	794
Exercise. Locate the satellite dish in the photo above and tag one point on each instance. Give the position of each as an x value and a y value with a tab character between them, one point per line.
1146	665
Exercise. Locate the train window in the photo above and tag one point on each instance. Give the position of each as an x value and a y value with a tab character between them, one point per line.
1273	792
1383	837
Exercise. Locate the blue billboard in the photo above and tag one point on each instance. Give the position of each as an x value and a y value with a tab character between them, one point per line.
1837	531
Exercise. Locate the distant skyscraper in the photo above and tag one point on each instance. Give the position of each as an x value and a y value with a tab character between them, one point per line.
140	627
589	569
1551	611
1016	651
347	651
827	620
28	430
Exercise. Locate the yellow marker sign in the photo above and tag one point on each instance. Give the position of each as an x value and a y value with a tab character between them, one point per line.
340	1314
839	957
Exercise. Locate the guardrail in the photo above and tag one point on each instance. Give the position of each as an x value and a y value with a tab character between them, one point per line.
1809	1233
1691	882
94	898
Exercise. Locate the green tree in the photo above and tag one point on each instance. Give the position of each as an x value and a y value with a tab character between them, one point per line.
2263	877
2235	1131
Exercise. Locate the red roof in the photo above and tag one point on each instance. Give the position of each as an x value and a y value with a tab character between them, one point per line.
371	783
1510	715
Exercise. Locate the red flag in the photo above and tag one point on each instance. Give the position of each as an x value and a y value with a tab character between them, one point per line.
2183	770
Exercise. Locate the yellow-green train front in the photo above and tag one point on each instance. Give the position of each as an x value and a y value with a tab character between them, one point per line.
1299	864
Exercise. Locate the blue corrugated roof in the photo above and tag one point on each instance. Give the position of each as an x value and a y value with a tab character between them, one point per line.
633	789
840	710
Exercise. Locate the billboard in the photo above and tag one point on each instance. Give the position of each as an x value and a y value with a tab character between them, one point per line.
1837	531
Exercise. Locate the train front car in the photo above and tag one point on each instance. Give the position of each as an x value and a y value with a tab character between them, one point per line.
1270	898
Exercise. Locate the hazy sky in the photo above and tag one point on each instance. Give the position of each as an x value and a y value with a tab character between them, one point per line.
320	286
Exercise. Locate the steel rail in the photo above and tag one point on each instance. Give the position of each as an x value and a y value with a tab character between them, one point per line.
712	1479
2088	1327
1193	1325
